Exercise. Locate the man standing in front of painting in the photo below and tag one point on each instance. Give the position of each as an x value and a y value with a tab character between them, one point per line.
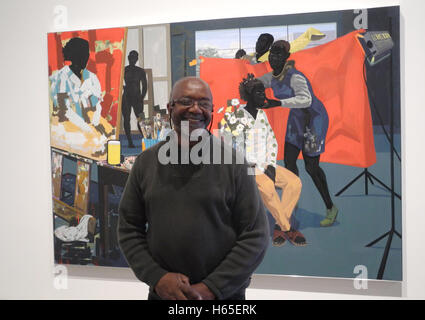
192	231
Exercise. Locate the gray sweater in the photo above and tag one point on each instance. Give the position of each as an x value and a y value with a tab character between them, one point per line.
205	221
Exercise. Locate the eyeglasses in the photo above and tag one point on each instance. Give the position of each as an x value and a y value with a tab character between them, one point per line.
189	102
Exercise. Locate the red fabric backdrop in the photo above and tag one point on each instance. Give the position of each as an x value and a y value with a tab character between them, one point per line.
335	71
106	63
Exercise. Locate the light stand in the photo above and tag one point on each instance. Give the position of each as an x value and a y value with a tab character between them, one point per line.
379	45
392	230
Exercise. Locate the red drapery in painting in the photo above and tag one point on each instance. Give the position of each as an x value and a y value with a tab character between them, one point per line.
335	71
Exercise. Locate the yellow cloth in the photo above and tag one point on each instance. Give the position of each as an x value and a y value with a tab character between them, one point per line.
281	209
303	40
67	136
299	43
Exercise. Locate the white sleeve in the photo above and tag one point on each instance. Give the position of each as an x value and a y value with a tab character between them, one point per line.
271	144
302	98
96	91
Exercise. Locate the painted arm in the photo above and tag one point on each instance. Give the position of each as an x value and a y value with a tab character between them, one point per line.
144	84
302	98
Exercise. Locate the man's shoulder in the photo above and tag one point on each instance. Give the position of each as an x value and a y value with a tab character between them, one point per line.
151	154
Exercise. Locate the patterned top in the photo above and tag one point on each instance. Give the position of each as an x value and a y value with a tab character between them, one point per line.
253	137
80	94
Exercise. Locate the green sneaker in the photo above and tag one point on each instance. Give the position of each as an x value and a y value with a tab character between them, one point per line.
330	217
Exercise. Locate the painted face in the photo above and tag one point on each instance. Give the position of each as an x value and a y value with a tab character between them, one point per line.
277	58
263	43
192	102
80	60
132	58
258	94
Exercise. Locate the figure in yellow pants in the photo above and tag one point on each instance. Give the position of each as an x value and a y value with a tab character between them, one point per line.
252	134
281	208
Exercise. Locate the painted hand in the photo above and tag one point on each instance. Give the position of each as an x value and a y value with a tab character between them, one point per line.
271	103
270	172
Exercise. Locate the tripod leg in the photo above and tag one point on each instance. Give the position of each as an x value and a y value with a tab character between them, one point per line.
384	258
348	185
366	191
370	179
399	235
377	240
386	187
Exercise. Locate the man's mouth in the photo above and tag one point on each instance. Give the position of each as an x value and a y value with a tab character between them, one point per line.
193	120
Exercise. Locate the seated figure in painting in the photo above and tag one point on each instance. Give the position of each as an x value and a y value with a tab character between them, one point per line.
76	97
249	128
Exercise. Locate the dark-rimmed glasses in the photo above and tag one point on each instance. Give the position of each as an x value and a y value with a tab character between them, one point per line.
189	102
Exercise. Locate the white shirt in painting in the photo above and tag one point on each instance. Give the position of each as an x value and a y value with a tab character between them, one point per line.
253	137
82	94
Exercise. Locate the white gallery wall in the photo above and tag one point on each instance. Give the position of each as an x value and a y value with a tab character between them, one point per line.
26	240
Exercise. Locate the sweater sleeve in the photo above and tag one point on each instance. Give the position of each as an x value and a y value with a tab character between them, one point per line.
302	98
251	226
132	231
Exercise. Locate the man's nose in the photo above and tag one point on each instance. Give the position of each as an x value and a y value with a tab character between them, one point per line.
195	108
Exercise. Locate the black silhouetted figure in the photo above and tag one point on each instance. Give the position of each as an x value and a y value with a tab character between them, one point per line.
76	50
132	96
263	44
240	53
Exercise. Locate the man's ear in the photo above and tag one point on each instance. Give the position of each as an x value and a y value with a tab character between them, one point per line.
169	108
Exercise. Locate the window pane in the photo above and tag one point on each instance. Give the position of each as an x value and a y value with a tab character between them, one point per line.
210	43
132	44
155	49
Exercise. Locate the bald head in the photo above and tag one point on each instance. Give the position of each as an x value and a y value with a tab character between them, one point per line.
191	101
192	82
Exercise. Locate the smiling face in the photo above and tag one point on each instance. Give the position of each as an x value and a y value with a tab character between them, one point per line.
191	101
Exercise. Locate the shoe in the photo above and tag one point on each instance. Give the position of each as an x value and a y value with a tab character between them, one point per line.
331	215
295	237
278	237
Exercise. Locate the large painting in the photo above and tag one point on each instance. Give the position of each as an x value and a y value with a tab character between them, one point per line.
332	183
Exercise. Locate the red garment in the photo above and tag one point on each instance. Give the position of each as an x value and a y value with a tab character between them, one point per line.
335	71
